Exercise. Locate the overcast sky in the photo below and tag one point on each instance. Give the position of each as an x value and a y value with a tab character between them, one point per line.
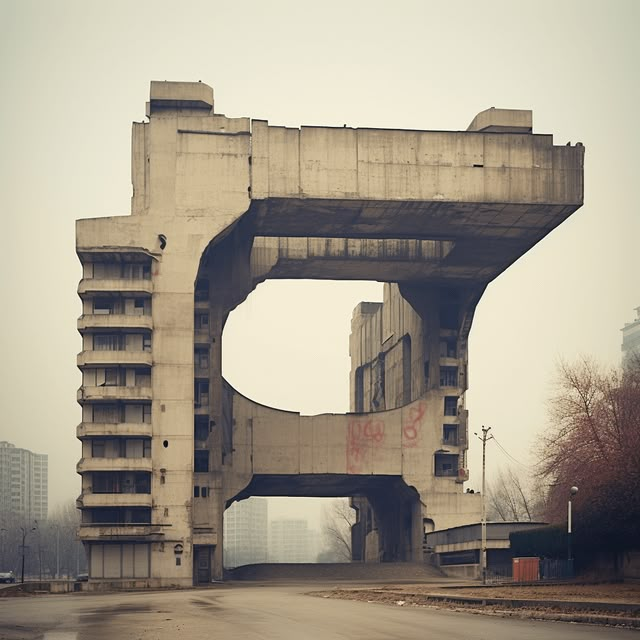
76	74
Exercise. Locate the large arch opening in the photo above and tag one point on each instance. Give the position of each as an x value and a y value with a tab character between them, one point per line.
287	345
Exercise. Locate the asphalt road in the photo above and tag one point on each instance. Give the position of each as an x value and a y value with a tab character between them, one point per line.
251	612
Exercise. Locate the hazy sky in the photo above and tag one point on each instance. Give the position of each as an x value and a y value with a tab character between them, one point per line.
76	74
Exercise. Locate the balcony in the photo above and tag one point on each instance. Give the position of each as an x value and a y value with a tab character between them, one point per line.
89	394
87	465
89	286
104	429
114	321
125	532
97	358
88	500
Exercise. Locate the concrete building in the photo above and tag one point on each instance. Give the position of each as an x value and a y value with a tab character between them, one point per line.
246	533
24	483
291	540
221	204
631	338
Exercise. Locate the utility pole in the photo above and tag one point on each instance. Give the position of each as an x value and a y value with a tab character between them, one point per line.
483	546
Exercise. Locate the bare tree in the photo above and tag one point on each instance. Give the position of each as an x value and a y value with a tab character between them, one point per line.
50	546
336	531
593	442
512	497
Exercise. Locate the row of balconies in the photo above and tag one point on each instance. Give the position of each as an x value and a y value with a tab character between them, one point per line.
88	394
97	531
89	500
90	286
103	429
87	465
91	358
114	321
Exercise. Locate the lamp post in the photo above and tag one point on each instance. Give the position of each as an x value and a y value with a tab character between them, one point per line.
25	531
572	492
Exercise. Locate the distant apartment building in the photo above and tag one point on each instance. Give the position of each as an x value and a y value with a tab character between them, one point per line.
291	540
246	530
631	337
23	483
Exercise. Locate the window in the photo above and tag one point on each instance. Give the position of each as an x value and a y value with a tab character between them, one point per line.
202	358
146	342
97	448
143	377
111	377
203	321
204	491
201	461
451	405
448	376
107	342
146	413
446	464
201	428
133	271
106	413
450	434
146	448
138	307
196	491
201	393
103	306
448	348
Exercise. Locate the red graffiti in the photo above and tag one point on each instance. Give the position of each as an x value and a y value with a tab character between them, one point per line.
361	436
411	429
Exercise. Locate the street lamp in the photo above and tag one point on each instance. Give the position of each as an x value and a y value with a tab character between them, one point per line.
572	492
25	531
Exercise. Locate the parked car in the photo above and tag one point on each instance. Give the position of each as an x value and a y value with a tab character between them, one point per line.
7	577
82	577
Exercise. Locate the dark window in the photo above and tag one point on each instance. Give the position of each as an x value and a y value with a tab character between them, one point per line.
108	342
204	491
103	306
146	413
201	393
448	376
196	491
97	448
448	348
146	342
201	428
450	434
451	405
201	461
446	464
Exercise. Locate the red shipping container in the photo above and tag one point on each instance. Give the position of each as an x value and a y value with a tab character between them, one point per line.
526	569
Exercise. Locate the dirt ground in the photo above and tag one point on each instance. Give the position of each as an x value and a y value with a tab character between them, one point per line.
423	595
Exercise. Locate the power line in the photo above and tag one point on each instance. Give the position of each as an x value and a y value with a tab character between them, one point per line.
506	453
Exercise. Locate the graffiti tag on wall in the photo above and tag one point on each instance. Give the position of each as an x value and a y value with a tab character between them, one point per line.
362	436
413	425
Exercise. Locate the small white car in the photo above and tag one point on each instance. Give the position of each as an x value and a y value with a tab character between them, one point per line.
7	577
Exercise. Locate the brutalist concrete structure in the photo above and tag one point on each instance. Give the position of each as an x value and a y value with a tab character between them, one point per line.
220	204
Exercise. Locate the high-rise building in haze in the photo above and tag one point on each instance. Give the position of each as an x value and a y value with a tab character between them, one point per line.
291	540
631	337
23	482
246	532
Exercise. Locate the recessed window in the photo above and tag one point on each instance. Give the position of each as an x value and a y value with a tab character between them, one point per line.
451	405
201	461
446	464
450	434
448	376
